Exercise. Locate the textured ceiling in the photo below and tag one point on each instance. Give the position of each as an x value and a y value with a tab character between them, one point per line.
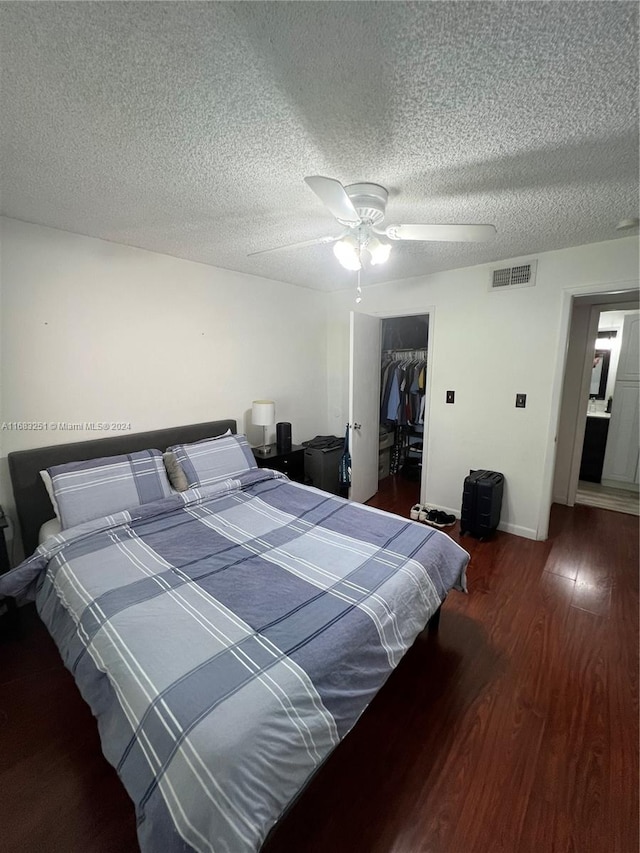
187	128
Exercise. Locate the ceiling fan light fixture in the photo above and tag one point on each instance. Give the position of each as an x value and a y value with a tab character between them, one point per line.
360	209
347	251
378	251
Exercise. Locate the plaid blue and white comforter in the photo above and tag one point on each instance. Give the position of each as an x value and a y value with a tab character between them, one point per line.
228	637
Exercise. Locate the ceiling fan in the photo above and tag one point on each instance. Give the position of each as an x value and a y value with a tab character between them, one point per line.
360	209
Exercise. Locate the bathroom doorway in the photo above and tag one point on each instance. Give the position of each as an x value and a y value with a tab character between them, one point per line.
597	455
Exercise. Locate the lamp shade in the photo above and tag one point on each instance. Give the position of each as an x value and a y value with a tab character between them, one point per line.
263	412
348	253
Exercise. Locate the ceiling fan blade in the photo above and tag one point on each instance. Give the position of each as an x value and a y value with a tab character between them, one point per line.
444	233
317	242
334	196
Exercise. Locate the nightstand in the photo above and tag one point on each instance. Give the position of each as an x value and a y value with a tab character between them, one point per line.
290	462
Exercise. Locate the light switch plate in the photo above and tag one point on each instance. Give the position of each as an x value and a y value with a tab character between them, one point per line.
521	401
451	396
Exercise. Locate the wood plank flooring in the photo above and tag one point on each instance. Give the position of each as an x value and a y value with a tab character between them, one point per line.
515	728
618	500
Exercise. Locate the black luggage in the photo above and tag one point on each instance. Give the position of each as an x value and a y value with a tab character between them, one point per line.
481	503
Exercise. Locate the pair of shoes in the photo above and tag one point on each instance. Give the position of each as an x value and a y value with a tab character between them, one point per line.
437	518
419	512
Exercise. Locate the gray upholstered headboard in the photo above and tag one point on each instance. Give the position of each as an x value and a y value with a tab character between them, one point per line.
32	502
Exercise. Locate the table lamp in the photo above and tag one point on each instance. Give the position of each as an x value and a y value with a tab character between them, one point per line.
263	413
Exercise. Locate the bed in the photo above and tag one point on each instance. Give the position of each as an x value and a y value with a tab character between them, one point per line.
226	636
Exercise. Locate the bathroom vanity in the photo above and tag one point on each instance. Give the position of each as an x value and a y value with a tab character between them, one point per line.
595	444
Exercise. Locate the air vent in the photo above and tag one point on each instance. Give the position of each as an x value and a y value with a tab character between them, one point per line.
507	278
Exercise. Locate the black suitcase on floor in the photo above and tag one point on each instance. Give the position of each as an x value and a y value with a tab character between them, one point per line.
481	503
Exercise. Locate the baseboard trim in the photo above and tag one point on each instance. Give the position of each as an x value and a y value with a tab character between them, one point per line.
518	530
504	526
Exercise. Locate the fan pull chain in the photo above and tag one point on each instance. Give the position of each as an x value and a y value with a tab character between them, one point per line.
358	290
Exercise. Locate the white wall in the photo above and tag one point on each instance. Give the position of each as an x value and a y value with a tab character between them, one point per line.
95	331
488	346
92	330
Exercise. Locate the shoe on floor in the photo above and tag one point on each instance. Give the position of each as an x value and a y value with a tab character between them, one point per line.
419	512
437	518
424	513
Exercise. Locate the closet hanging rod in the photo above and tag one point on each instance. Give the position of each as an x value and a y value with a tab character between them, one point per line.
405	349
406	355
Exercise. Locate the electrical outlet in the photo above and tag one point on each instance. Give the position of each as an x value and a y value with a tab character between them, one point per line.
521	401
451	396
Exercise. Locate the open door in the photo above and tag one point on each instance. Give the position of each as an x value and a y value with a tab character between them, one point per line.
364	405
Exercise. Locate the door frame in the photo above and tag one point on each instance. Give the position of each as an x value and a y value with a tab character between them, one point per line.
606	290
581	420
415	312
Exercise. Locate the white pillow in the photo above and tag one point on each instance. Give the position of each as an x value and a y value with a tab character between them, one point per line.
49	528
46	479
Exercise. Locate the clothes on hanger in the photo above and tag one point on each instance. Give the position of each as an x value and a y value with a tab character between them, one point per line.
403	386
402	399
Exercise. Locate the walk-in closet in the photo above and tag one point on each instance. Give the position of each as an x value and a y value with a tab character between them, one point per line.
403	387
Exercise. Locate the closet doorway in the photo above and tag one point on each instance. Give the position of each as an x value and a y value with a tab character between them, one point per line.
389	385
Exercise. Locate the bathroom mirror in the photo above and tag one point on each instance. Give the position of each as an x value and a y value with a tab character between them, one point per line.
601	359
599	374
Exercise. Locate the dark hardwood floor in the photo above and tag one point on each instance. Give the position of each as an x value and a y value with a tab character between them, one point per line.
514	729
